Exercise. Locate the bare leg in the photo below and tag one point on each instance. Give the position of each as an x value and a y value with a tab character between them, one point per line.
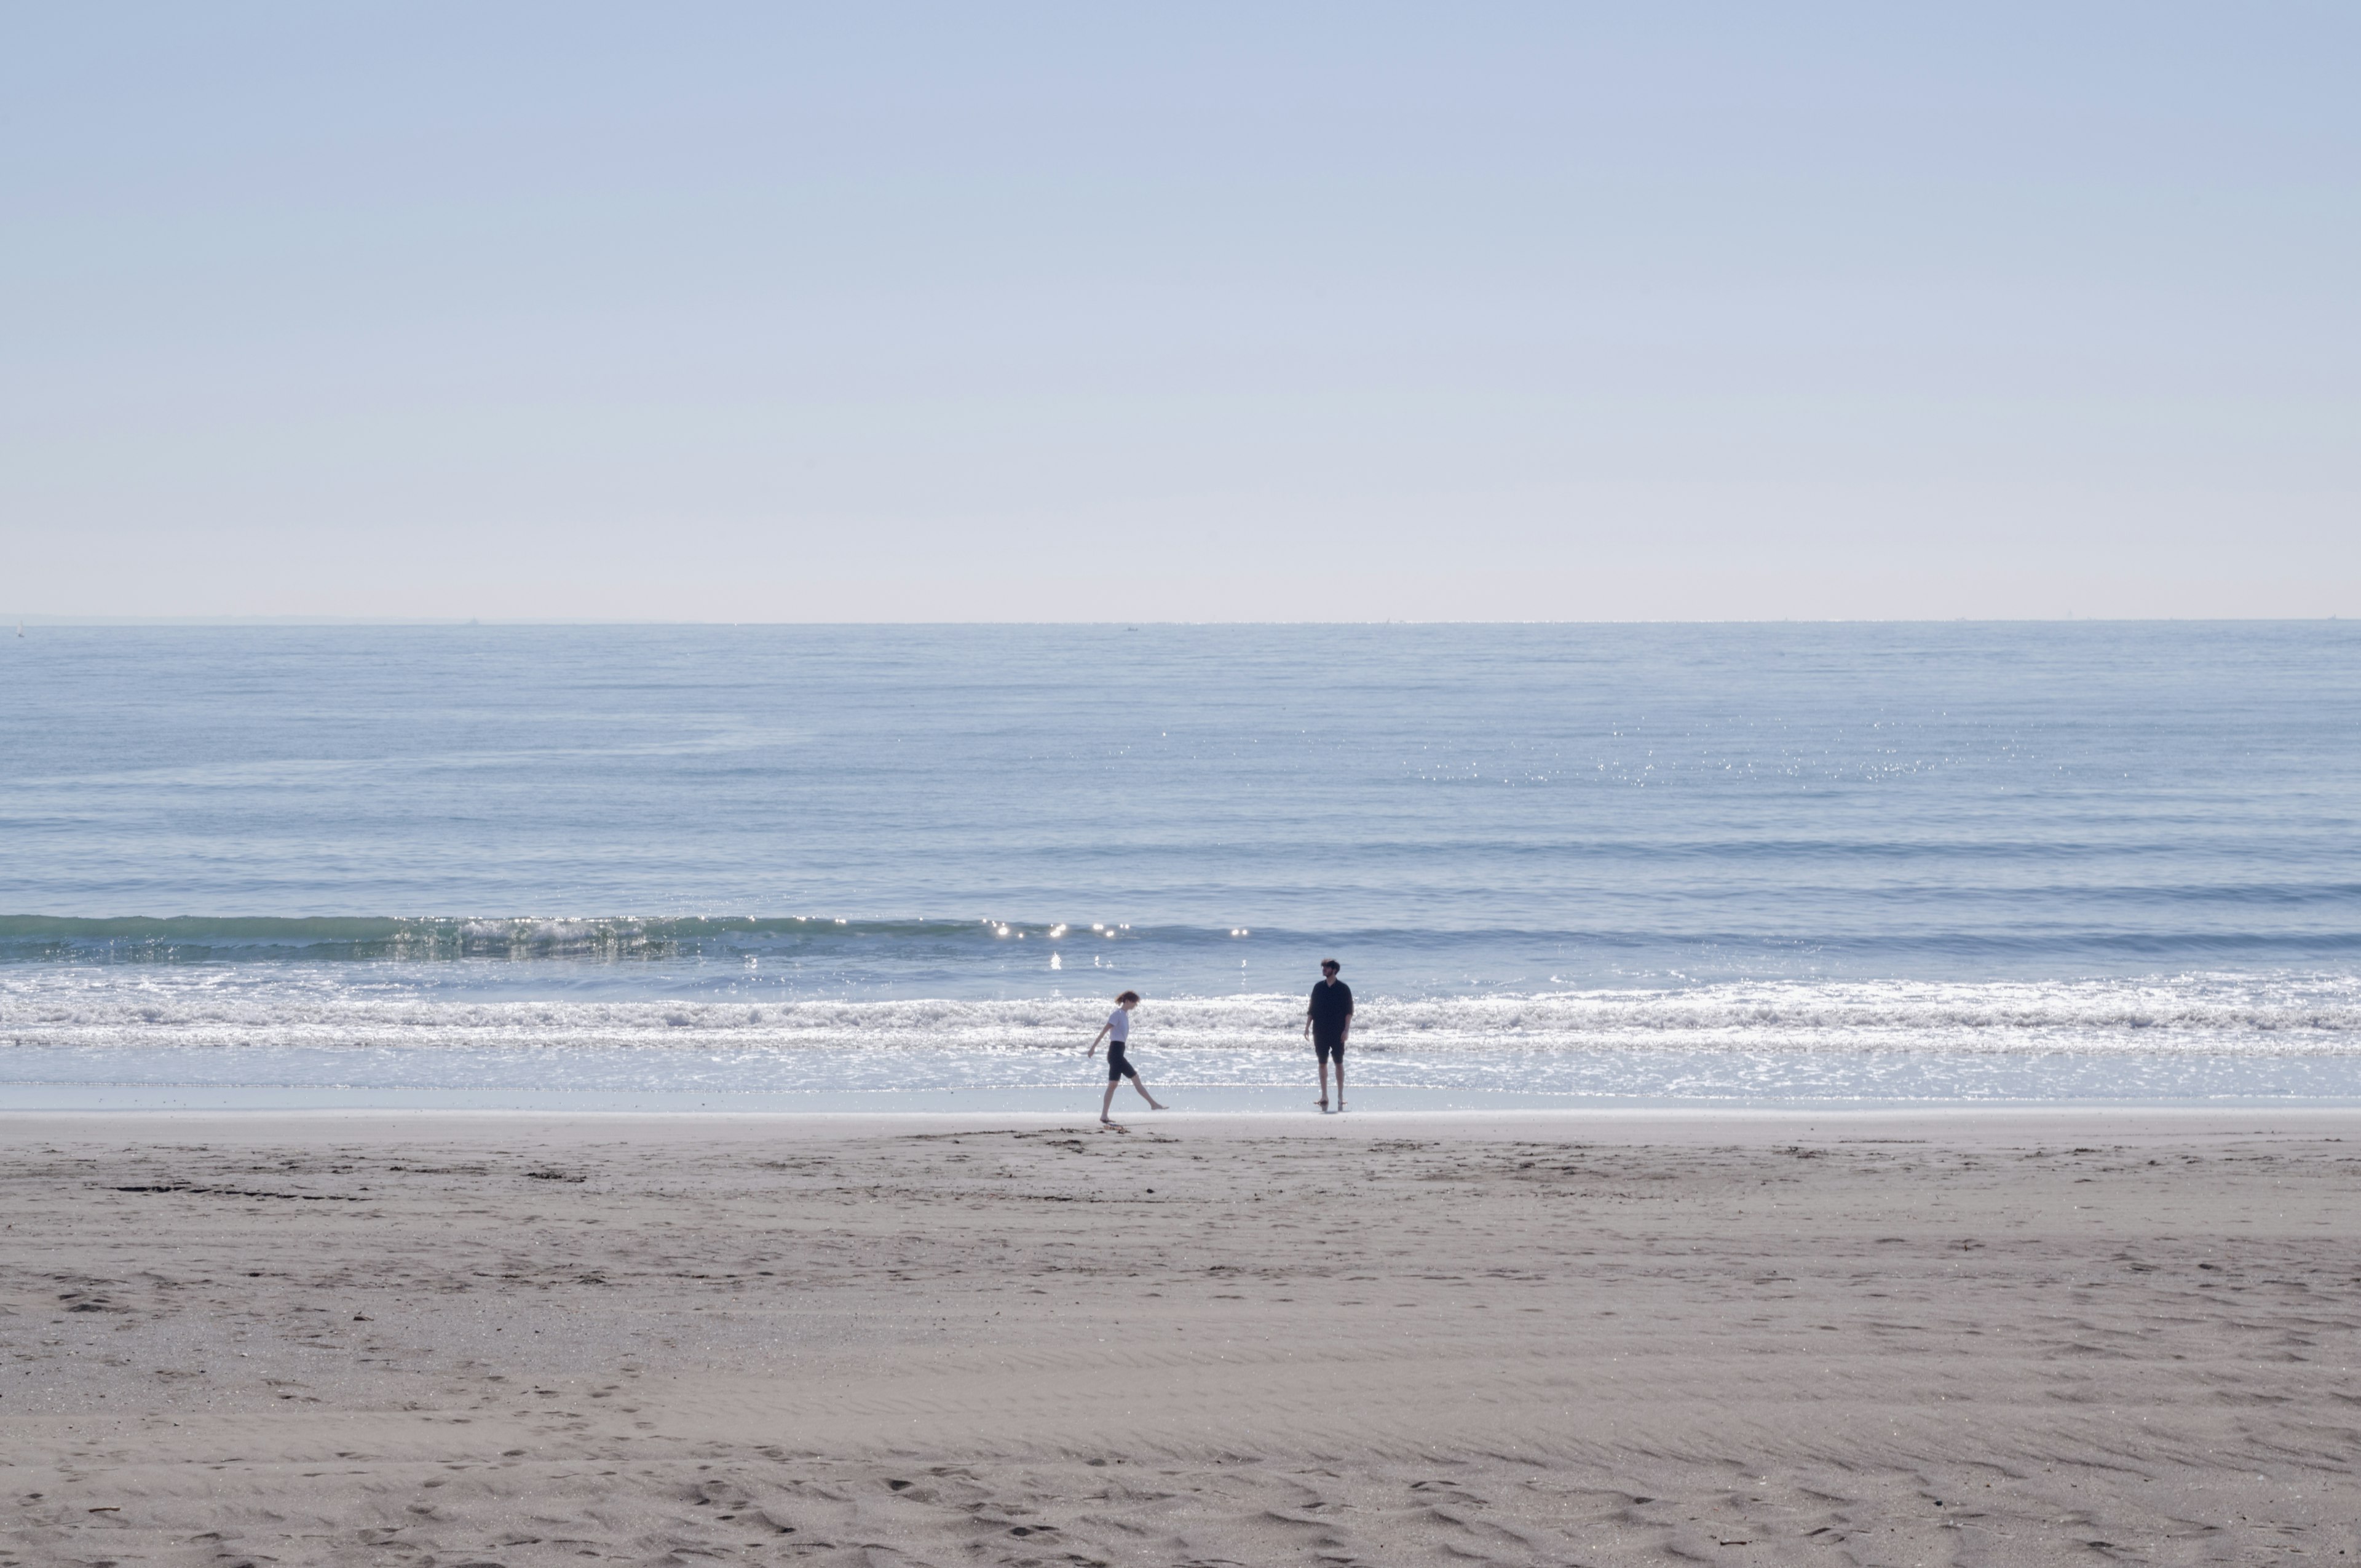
1108	1101
1136	1083
1324	1083
1340	1080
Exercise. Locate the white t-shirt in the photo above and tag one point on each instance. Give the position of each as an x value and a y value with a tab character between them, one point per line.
1119	1026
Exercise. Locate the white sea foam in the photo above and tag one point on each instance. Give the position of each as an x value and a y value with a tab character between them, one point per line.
329	1007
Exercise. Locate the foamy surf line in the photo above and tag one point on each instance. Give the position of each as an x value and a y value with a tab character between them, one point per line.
108	1007
361	1035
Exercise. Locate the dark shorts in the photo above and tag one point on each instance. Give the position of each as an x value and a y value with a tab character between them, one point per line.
1329	1046
1118	1067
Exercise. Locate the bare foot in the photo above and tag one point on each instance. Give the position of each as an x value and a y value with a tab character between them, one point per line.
1321	1104
1113	1126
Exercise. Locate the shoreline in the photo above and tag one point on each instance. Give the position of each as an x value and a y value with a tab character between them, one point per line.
894	1078
1626	1123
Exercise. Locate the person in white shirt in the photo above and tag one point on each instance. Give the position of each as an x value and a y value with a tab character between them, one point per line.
1116	1033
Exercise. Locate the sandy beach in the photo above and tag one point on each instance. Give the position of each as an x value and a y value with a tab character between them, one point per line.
468	1340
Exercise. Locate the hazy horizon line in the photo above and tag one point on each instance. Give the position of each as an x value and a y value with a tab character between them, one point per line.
227	621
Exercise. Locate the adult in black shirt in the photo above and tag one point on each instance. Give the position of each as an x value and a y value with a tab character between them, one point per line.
1328	1022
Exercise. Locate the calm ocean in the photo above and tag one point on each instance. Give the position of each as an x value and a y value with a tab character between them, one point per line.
867	867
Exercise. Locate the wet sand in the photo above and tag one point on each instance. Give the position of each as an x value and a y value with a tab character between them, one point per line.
502	1339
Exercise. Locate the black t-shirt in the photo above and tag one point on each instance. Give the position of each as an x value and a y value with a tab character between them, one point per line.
1332	1004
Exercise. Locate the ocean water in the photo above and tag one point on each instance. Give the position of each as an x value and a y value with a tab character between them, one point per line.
871	867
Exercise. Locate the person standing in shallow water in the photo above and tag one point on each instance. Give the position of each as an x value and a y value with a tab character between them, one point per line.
1328	1022
1117	1032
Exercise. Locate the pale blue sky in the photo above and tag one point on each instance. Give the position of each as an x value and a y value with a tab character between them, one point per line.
1099	312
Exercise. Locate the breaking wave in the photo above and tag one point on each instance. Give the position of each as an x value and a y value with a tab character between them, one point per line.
321	938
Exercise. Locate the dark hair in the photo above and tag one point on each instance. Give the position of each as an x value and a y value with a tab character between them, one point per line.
1126	996
1330	963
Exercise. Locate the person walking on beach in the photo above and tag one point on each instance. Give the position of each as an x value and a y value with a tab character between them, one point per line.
1328	1022
1116	1033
